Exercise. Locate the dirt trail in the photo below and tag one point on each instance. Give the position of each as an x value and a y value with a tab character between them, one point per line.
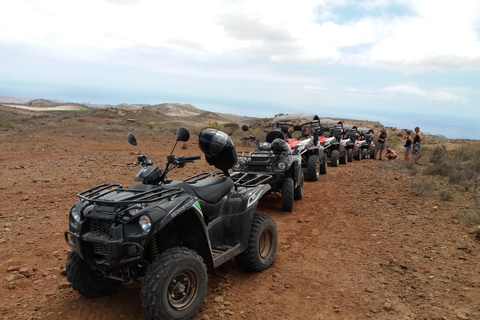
357	246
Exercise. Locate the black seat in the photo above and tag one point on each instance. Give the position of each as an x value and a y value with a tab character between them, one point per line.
274	134
211	189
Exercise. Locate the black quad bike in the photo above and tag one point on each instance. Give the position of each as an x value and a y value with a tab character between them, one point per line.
275	158
332	142
367	146
350	141
314	159
164	234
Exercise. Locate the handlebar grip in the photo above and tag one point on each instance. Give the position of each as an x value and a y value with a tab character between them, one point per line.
193	158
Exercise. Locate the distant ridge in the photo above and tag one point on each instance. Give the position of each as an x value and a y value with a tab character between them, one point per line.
435	135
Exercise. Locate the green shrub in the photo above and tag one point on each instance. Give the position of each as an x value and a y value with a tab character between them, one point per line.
471	216
438	154
9	124
442	168
446	194
418	188
214	125
151	125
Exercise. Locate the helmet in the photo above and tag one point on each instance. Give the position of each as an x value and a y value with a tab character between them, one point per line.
280	146
218	148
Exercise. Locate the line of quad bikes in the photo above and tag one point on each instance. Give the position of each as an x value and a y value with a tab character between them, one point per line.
166	234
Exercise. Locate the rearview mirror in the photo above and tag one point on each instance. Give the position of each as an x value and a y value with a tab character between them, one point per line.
183	134
245	127
131	139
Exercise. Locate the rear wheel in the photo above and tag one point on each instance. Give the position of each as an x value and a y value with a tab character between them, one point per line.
343	158
323	165
262	245
174	285
298	192
334	158
87	281
313	168
287	194
350	155
357	155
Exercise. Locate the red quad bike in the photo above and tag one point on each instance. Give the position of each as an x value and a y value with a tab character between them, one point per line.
164	234
275	158
367	146
314	159
350	142
332	142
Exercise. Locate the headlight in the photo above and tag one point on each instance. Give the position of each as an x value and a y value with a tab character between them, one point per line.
237	166
145	223
75	214
281	165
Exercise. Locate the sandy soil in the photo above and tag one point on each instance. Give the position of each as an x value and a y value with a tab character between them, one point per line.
357	246
56	108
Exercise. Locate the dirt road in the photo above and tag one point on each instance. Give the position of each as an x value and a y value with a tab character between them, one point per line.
357	246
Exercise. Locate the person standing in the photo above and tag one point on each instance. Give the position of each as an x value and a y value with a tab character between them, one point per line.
407	145
416	144
382	137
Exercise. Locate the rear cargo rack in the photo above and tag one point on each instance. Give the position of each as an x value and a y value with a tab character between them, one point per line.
240	179
250	179
98	194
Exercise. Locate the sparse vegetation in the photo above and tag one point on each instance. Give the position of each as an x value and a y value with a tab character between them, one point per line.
8	124
471	216
215	125
446	194
422	186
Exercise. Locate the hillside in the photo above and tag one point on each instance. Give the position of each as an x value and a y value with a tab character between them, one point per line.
369	240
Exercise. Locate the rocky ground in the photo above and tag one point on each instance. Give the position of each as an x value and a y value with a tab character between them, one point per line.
359	245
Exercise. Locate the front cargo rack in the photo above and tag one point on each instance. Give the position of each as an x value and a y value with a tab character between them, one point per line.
109	193
240	179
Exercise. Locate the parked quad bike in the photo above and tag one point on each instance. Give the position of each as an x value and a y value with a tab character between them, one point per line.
164	234
367	146
314	159
332	142
275	158
351	142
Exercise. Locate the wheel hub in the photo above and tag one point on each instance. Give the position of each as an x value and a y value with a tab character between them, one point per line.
182	289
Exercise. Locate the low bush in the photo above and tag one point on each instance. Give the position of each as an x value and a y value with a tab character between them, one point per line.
441	168
418	188
438	154
471	216
446	194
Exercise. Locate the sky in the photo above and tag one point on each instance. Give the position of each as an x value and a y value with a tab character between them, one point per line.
404	63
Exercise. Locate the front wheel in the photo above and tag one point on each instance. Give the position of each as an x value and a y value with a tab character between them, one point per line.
364	153
287	194
174	285
87	281
262	245
313	168
334	158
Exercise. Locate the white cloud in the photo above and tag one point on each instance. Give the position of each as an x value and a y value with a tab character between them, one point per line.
437	94
429	35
